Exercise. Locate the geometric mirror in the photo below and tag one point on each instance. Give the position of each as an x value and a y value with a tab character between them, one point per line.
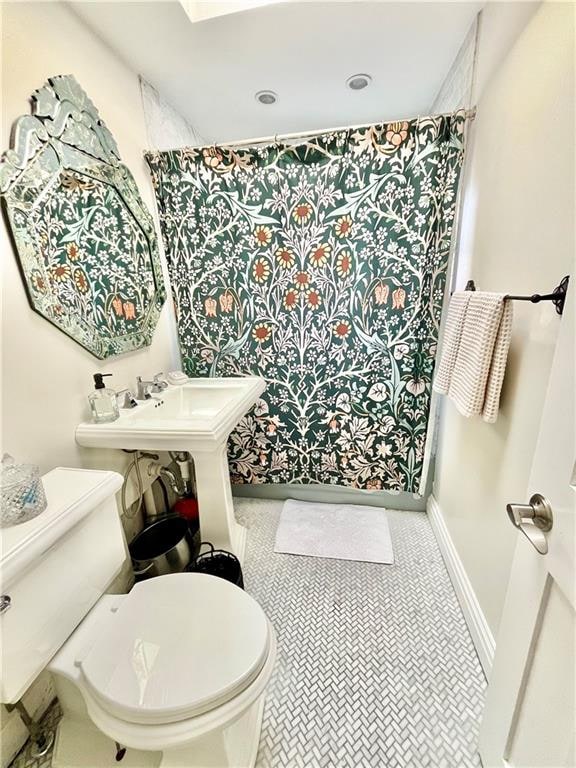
84	239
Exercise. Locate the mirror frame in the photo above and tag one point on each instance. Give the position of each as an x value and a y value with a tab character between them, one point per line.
62	157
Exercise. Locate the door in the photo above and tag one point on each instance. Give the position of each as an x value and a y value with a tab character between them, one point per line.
530	716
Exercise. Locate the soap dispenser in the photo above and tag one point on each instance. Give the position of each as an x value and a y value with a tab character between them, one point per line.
103	401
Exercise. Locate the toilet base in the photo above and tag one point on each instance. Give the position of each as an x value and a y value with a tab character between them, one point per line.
80	744
233	747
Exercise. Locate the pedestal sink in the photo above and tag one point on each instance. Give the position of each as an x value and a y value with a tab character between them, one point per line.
196	417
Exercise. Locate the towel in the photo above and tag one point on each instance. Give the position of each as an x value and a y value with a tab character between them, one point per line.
451	341
498	364
475	371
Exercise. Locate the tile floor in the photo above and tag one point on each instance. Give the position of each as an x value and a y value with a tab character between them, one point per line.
376	668
24	758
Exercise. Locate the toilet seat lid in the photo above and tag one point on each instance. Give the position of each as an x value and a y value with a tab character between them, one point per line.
178	646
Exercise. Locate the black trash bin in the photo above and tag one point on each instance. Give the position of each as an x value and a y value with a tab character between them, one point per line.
218	562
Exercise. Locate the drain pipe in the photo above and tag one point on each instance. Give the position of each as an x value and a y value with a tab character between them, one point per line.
41	739
149	503
183	459
176	483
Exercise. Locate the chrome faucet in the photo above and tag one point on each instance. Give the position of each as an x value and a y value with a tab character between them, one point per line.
144	388
160	383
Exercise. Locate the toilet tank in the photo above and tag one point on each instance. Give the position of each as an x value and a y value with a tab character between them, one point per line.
53	569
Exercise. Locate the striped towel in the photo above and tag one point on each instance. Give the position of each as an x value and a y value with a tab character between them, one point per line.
475	372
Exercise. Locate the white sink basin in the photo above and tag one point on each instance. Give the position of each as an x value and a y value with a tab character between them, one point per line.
196	417
192	417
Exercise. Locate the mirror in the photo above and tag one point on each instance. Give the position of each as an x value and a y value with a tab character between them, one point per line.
85	242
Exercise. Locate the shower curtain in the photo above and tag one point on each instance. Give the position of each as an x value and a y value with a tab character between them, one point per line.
321	267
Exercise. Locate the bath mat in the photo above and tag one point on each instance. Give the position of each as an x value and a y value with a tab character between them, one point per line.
339	531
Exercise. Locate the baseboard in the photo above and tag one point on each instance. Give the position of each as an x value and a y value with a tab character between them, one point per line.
482	636
333	494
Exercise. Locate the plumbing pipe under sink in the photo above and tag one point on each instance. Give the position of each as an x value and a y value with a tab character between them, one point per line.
172	477
184	462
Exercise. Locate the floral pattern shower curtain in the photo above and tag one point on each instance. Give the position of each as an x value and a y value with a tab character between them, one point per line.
320	267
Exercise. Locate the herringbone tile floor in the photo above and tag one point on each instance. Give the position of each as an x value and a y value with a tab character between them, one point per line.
376	668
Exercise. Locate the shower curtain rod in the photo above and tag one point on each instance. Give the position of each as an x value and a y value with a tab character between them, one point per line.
469	114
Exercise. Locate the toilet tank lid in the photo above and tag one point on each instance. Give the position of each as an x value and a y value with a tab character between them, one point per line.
71	494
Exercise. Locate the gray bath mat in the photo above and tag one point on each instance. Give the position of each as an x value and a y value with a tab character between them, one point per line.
340	531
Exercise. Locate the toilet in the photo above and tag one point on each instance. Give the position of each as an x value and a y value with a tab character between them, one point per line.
172	674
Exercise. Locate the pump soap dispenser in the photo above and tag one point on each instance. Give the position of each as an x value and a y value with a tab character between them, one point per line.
103	401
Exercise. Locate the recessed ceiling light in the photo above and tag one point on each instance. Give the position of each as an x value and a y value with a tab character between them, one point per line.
357	82
266	97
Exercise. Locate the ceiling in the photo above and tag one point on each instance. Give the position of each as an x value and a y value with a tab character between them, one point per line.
304	51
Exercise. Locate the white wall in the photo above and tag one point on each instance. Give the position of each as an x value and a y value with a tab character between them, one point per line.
165	127
45	375
517	235
456	92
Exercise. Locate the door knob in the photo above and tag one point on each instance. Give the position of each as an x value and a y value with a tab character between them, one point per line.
5	603
533	519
